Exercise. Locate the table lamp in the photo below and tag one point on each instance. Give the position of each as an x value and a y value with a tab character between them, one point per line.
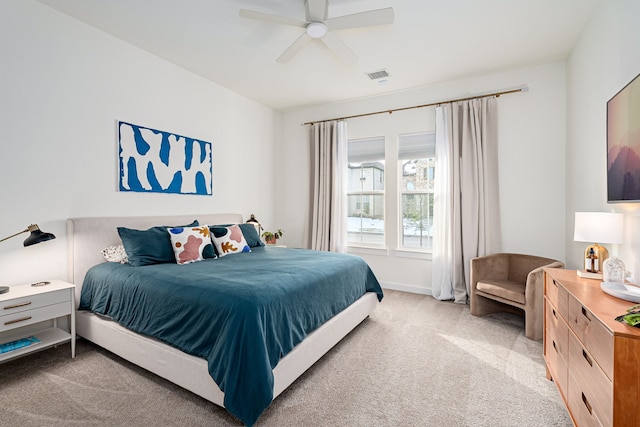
255	223
36	236
596	228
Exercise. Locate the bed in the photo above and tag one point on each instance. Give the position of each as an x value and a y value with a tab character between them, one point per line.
283	358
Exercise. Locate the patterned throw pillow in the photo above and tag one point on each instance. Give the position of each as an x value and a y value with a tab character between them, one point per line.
189	243
229	240
115	253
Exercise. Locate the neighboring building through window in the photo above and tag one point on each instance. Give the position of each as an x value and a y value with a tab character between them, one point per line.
365	191
416	164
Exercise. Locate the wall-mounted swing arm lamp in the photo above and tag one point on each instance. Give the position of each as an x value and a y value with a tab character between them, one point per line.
36	236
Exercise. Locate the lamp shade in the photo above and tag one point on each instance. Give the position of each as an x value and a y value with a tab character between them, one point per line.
599	227
255	223
37	236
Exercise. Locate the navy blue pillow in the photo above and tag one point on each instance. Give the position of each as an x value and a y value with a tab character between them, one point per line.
251	235
151	246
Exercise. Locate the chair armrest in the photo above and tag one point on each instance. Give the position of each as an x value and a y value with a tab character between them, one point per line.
535	281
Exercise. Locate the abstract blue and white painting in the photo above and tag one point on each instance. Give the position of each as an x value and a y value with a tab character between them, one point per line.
161	162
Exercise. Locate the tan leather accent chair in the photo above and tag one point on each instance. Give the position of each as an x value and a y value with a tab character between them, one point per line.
513	283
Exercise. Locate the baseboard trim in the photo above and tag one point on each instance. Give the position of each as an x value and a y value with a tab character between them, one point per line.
406	288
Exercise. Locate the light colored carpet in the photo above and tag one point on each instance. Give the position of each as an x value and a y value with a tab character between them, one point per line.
415	362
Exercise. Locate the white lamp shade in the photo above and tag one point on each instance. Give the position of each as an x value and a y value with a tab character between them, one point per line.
599	227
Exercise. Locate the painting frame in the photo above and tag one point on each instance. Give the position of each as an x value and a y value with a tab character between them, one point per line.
156	161
623	144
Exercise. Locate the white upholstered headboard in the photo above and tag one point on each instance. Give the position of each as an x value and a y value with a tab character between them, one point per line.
87	237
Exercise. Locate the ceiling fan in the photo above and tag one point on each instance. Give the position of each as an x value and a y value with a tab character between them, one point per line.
318	26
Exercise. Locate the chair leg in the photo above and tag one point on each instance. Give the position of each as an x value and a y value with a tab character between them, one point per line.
480	306
533	325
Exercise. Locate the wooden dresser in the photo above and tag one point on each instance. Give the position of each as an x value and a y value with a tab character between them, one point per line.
593	359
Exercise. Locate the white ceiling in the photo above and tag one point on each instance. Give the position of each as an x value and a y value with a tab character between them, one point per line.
430	41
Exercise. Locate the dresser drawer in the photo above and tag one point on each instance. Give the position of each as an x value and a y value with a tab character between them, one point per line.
591	380
595	337
558	329
25	303
556	347
581	406
558	296
28	317
557	366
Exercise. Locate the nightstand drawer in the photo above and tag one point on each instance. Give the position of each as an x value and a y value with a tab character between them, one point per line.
595	337
28	317
25	303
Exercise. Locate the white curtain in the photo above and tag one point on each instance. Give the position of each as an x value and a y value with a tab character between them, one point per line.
466	195
328	219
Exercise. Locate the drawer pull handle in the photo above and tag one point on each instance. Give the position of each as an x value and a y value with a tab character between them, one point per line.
555	346
10	322
554	313
22	304
585	313
586	403
587	358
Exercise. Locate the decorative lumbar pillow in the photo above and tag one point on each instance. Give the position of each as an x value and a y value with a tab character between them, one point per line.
115	253
151	246
229	240
189	243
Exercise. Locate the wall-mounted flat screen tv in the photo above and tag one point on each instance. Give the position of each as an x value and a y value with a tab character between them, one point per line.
623	144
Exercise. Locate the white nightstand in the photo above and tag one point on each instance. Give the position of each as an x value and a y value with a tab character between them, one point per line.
24	309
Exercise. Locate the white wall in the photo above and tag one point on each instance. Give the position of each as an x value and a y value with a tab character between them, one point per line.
63	86
532	161
605	59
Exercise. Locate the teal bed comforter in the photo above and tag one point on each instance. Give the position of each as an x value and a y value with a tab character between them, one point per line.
242	313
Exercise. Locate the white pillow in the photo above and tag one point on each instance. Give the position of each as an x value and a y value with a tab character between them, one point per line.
115	253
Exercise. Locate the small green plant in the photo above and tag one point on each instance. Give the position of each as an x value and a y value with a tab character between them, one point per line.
270	238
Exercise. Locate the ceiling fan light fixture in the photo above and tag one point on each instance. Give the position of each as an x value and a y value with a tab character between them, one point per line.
316	30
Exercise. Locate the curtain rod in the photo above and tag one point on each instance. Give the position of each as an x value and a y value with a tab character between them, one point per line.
496	94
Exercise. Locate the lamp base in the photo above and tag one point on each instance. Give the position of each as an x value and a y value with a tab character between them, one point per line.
601	254
588	275
4	289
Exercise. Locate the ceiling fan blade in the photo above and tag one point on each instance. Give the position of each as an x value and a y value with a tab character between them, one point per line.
274	19
316	10
294	48
361	19
339	48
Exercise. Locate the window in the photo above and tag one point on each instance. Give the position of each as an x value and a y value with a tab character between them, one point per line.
365	191
416	165
390	193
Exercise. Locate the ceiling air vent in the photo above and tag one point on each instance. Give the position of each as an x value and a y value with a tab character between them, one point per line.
377	75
